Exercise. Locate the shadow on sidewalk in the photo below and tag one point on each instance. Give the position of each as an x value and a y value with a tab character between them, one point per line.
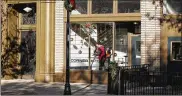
24	87
80	89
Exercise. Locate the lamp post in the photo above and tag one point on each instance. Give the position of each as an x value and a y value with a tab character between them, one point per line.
67	89
69	5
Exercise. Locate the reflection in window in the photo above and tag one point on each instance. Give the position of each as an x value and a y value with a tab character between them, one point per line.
79	45
121	38
128	6
81	7
137	27
28	51
28	18
102	6
104	35
176	51
138	48
78	30
100	32
172	6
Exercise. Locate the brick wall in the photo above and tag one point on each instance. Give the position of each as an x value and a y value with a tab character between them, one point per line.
59	36
150	33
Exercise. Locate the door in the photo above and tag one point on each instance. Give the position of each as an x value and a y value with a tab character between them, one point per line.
136	52
174	54
28	54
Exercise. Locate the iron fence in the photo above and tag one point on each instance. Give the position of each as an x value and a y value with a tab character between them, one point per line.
138	80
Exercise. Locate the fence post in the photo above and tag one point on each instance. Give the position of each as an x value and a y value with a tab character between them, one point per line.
121	81
109	82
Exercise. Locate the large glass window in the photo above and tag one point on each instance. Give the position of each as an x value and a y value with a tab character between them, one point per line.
104	34
79	47
172	6
81	7
102	6
121	42
176	51
128	6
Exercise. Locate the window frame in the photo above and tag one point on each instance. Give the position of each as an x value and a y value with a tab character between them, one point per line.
171	59
127	13
168	14
89	10
113	8
26	26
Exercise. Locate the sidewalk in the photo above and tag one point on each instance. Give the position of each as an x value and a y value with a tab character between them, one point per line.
29	87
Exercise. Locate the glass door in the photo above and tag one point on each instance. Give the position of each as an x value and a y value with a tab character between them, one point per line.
28	54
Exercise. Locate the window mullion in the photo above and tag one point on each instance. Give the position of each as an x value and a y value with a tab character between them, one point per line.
115	6
89	7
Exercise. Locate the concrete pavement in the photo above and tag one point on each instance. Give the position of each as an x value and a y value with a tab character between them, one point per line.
29	87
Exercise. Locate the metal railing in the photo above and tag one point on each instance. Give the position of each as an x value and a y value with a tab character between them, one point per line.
137	80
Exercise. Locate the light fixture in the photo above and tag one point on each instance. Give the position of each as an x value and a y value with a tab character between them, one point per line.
27	9
135	23
105	39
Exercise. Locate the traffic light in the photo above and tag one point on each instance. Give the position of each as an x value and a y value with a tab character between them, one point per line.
70	5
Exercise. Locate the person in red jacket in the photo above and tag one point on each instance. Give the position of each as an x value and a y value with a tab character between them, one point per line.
100	51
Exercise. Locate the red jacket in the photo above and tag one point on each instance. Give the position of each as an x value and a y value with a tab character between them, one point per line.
102	52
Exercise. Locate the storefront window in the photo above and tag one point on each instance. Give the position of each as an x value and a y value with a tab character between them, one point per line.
176	51
79	47
104	34
81	7
172	7
102	6
128	6
121	42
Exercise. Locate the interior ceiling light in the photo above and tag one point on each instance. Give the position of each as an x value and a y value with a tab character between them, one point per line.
27	9
135	23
